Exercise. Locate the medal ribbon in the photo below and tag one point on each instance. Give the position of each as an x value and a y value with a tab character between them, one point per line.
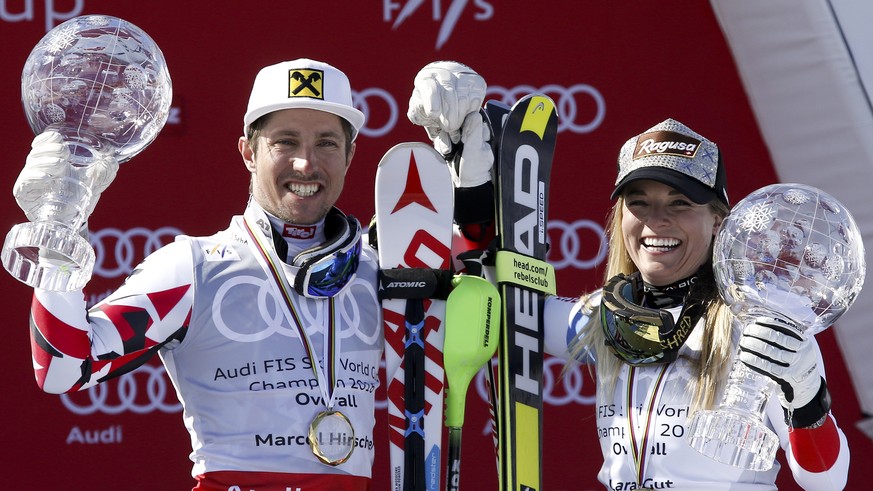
639	451
268	259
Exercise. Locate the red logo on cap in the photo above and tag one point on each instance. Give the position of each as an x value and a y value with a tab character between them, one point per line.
298	232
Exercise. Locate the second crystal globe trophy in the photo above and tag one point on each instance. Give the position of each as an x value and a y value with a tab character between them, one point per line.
788	250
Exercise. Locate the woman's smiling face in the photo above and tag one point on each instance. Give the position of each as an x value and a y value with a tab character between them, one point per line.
667	235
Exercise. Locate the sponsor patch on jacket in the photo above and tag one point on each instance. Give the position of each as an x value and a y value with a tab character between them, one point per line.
299	231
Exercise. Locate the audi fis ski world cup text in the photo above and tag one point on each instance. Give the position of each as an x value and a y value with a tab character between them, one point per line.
147	389
291	373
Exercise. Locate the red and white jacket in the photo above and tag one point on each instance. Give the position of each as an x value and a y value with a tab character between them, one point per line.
244	379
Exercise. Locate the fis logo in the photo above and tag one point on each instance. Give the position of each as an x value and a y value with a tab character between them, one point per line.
306	83
221	252
399	11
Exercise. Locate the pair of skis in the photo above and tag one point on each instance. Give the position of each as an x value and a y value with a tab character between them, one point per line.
414	211
523	164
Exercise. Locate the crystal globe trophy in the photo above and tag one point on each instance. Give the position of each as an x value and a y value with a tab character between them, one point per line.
103	85
789	250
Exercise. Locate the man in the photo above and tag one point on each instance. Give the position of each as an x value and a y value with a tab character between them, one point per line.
270	330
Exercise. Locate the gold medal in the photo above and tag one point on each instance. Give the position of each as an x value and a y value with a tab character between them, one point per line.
332	437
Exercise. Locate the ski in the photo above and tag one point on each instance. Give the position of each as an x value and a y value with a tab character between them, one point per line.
414	210
523	166
496	113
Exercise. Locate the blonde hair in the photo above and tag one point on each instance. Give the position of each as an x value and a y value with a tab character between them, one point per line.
718	338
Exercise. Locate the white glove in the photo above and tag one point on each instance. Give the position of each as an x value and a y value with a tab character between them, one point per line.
47	164
473	168
778	349
446	100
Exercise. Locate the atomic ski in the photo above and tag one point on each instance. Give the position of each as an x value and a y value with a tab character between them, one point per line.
414	210
523	165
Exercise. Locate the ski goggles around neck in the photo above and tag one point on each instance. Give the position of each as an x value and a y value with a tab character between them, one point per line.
327	269
639	335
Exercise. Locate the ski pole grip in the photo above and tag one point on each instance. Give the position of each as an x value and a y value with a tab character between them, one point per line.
472	332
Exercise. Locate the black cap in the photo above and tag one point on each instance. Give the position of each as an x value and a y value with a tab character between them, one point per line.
673	154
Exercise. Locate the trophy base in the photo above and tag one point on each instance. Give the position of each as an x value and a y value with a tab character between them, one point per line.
48	255
733	439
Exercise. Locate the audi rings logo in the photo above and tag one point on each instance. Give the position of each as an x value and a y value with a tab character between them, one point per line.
558	389
581	107
379	107
126	394
269	306
119	251
581	244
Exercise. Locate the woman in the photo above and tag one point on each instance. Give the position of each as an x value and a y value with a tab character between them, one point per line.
662	341
670	200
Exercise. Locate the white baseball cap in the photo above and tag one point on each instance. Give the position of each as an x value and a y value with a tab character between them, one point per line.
302	83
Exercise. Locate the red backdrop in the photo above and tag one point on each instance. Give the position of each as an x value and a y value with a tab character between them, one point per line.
614	69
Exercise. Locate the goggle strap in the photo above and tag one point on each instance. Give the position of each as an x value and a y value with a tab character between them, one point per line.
622	306
688	317
691	312
615	299
414	283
